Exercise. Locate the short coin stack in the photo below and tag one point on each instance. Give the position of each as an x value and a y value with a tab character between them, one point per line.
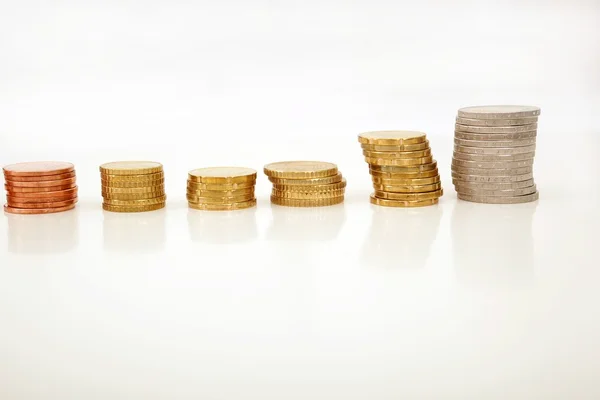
403	170
132	186
305	183
221	188
40	187
494	147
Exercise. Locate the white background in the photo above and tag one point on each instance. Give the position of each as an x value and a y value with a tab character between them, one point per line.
456	301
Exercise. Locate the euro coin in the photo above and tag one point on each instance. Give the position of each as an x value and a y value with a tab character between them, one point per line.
492	185
492	157
399	162
499	112
17	178
404	169
408	181
393	138
492	164
400	147
222	193
409	196
311	188
499	199
222	175
223	207
219	200
491	171
14	210
307	195
492	179
307	202
496	122
132	208
400	203
40	184
397	154
37	168
300	169
495	143
496	129
405	174
131	168
407	188
337	178
495	136
142	202
216	186
495	150
54	204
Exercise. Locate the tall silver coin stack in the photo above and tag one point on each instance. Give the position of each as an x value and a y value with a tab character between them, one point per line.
494	148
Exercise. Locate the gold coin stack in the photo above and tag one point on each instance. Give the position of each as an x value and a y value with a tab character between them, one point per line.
403	170
132	186
305	183
221	188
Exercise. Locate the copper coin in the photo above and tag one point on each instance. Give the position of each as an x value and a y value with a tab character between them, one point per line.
46	195
54	204
15	199
13	210
33	190
66	175
38	168
62	182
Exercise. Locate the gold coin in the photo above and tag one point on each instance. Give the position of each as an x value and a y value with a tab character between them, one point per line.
216	186
142	202
399	162
223	207
399	203
133	196
131	168
404	175
222	175
311	188
307	202
414	181
132	178
409	196
307	182
141	208
394	138
131	184
401	147
219	200
222	193
307	195
144	189
300	169
397	154
407	188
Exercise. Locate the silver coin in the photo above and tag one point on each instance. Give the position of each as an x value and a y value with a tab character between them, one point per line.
495	129
500	193
492	185
492	179
496	122
499	112
493	157
494	136
500	200
491	164
495	143
494	150
492	171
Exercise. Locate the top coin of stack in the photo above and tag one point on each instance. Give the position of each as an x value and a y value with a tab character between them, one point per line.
494	148
132	186
305	183
402	167
221	188
40	187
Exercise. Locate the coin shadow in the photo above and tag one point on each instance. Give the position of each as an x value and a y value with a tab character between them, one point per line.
143	232
492	245
43	233
222	227
310	224
401	237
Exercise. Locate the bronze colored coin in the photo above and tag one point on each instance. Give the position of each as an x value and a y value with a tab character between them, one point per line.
405	175
407	188
13	210
39	195
409	196
145	189
307	182
66	175
37	168
393	138
134	208
53	204
143	202
496	129
499	112
307	195
222	193
492	157
22	200
133	196
131	168
307	202
300	169
494	136
492	179
219	200
495	150
496	122
213	186
397	154
399	162
404	169
495	143
401	147
311	188
13	189
400	203
500	200
223	207
406	181
41	184
132	178
491	171
222	175
492	164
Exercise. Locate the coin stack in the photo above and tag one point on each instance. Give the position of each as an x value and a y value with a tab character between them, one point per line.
305	183
40	187
132	186
403	170
221	188
494	147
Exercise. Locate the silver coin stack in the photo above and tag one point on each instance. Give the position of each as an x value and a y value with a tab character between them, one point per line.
494	147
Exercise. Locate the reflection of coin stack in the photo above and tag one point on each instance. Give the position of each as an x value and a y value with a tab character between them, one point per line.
132	186
222	228
44	234
134	233
494	147
40	187
403	170
305	183
221	188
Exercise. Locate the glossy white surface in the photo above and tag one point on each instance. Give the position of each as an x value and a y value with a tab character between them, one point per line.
455	301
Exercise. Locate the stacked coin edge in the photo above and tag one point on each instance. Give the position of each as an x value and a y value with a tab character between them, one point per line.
221	188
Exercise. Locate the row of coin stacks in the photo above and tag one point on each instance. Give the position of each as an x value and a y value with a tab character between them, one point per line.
221	188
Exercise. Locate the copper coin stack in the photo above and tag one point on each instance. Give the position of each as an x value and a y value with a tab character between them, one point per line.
402	168
40	187
305	183
221	188
494	149
132	186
